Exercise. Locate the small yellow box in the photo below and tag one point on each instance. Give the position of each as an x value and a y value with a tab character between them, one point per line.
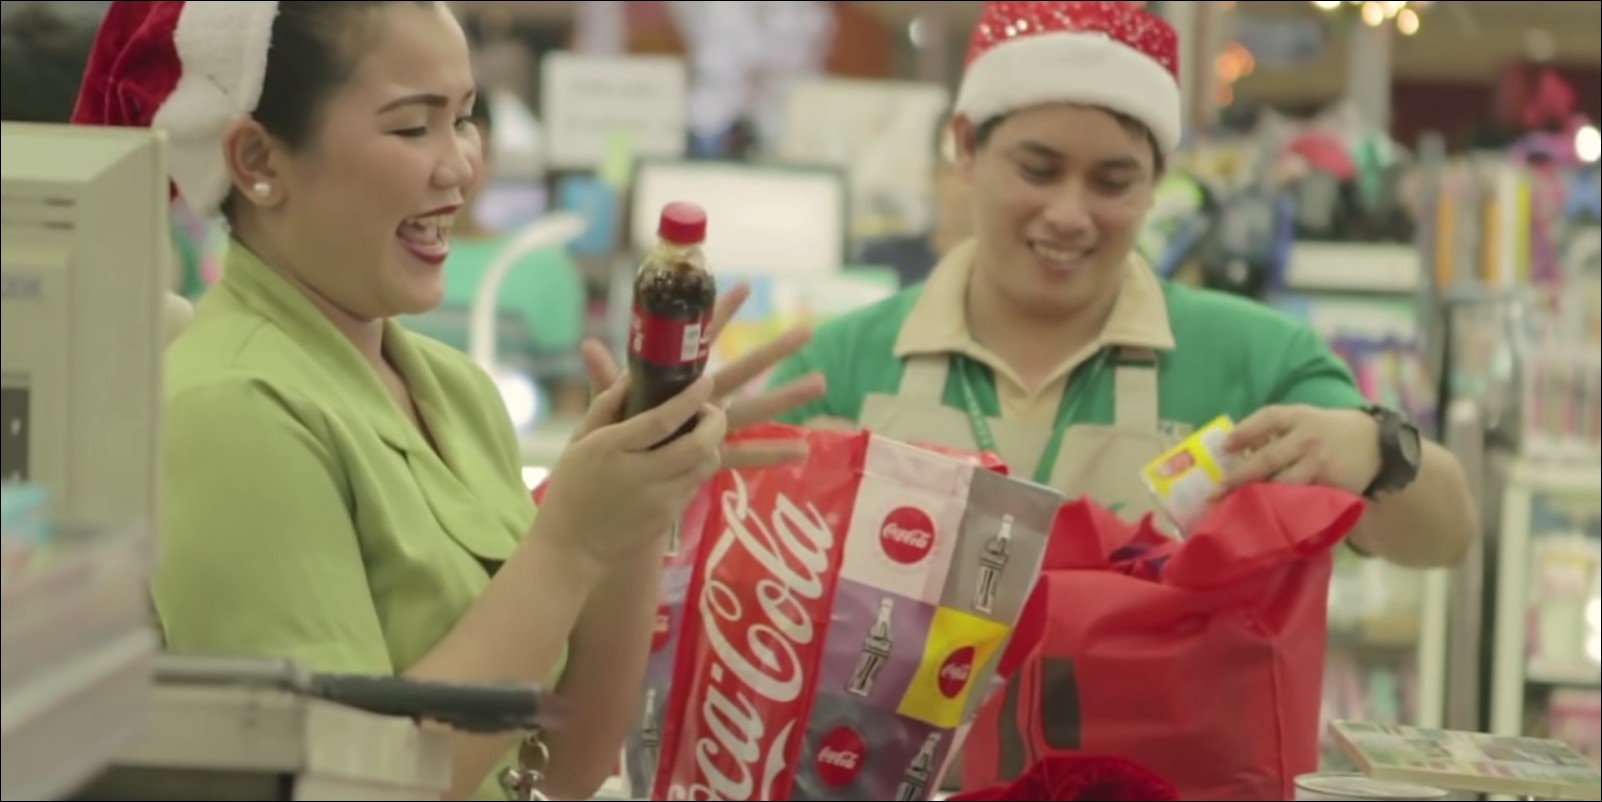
1185	477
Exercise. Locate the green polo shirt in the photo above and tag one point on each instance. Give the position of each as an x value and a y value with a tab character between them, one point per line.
1217	354
304	515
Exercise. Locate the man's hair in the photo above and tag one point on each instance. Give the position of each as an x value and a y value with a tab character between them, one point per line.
42	58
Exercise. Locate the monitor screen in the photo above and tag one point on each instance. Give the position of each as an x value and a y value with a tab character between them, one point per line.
761	219
86	252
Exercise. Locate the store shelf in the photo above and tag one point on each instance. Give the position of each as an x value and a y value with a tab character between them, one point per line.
1353	268
1565	676
77	656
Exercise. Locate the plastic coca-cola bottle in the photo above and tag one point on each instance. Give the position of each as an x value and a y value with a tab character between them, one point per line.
674	293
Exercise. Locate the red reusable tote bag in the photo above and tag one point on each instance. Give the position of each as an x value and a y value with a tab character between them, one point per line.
1201	659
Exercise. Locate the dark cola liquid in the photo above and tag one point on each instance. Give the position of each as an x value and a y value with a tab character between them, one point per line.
668	336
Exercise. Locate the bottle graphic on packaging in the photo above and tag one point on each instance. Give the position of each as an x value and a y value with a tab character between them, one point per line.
914	785
650	737
875	651
992	563
673	540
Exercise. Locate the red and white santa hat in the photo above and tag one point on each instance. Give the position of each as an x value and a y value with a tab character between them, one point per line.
186	68
1115	55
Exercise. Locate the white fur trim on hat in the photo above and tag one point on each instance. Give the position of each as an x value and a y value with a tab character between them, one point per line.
223	48
1086	68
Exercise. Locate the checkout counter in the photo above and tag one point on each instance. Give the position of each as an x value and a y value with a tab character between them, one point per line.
92	710
254	736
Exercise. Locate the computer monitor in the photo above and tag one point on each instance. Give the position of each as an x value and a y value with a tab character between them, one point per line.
85	254
761	218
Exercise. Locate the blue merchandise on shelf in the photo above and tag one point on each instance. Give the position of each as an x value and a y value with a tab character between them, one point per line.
25	513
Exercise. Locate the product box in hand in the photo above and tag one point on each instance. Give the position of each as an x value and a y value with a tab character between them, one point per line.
1185	478
828	628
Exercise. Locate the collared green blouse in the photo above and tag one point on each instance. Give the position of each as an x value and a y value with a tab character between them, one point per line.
304	515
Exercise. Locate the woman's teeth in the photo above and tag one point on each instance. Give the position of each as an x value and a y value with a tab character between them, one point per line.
426	230
1064	256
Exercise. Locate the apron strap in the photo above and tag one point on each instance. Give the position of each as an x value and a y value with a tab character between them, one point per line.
1135	393
924	377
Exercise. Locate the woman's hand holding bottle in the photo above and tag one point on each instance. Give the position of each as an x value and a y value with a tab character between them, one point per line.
614	491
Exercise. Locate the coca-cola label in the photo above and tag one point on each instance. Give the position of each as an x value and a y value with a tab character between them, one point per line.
955	672
840	756
764	588
959	645
669	342
908	535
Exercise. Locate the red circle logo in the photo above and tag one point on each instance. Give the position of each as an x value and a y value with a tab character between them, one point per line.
955	672
840	757
663	630
907	535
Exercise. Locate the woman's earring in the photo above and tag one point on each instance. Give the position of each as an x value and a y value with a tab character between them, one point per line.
262	189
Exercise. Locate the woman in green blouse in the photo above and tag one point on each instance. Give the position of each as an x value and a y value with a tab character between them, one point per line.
344	493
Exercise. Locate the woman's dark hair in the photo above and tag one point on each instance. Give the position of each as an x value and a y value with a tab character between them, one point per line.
314	51
982	134
481	116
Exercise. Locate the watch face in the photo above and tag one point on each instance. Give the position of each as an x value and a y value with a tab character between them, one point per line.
1411	444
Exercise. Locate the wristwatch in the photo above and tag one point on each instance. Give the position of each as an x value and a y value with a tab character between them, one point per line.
1401	451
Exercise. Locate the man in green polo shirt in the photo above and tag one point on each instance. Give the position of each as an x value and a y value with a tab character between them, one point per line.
1048	341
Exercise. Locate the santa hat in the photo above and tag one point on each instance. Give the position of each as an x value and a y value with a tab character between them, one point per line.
185	68
1114	55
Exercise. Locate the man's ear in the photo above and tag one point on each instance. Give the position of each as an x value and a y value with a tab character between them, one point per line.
253	158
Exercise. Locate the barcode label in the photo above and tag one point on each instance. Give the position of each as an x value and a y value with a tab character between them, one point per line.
690	347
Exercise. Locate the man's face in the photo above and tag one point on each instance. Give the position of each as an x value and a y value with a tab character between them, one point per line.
1059	195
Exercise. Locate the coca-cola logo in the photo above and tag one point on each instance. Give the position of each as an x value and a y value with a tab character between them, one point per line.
907	535
955	671
662	632
840	755
750	704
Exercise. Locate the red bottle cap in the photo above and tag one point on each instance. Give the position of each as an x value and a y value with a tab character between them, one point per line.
682	224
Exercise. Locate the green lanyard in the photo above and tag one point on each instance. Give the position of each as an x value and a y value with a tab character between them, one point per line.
980	422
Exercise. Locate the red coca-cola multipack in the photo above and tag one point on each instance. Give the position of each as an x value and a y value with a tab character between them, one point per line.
829	628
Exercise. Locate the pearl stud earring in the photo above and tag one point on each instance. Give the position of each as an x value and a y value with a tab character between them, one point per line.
262	189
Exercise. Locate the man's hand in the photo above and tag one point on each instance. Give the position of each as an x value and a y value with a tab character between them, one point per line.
1306	445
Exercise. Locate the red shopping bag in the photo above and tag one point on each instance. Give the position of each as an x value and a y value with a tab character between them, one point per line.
1200	659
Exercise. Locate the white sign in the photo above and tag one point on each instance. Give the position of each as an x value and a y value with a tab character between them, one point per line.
587	101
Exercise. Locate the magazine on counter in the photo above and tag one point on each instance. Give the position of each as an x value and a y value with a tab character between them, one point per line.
1469	762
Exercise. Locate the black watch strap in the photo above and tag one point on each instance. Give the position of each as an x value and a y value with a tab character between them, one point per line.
1398	444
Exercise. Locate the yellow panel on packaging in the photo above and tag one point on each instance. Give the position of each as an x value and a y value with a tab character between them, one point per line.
959	645
1185	477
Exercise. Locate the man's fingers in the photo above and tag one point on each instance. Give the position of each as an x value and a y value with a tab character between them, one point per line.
1262	464
1266	424
1302	472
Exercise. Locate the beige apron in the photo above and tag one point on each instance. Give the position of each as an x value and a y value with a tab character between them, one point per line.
1101	462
